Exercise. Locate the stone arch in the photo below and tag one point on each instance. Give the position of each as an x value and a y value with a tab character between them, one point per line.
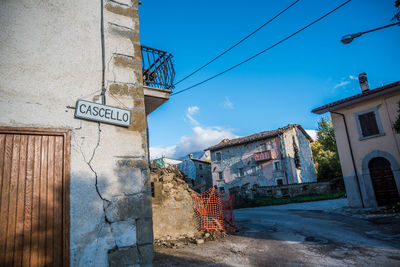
366	182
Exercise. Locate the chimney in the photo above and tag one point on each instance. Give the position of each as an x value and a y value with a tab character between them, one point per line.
362	79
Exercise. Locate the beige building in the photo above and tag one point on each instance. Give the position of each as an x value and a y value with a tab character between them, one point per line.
368	145
75	192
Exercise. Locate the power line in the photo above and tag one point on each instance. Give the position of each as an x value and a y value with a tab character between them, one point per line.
229	49
263	51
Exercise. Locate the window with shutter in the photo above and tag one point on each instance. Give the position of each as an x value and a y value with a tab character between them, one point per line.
368	124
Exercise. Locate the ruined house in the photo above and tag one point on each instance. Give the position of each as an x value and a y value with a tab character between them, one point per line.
368	144
173	208
276	157
75	183
197	169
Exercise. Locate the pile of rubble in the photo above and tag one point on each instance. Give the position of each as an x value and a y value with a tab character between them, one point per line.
175	222
173	211
198	239
392	209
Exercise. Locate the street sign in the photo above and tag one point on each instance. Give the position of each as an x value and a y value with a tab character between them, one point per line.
97	112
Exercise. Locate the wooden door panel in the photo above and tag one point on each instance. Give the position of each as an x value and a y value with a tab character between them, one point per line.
34	213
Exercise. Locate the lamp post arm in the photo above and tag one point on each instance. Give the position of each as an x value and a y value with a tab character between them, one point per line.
380	28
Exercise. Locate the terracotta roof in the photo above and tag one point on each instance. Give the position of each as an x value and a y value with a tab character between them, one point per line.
358	98
257	137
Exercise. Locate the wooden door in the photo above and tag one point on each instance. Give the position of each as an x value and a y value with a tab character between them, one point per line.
385	188
34	211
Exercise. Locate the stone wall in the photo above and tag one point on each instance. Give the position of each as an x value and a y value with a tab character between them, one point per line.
246	193
173	211
51	56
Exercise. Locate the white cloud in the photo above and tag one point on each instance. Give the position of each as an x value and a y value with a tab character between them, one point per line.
313	134
158	152
341	84
352	77
190	112
193	110
200	139
227	103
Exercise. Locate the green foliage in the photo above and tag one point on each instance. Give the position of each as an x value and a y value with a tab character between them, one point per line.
397	122
325	152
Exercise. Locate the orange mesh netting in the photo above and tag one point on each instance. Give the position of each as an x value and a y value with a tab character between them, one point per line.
215	210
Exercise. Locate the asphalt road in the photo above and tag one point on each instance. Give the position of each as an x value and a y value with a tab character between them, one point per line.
306	234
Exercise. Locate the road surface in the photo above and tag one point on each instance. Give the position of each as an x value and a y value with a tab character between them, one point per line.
302	234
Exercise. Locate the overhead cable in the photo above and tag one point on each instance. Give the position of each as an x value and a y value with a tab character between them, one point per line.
263	51
229	49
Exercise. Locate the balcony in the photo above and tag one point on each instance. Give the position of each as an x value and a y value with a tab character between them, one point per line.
158	77
265	155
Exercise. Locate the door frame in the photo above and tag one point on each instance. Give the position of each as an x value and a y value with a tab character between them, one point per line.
366	185
66	175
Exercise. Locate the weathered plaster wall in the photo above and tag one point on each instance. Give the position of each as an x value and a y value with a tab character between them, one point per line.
389	143
242	156
50	56
306	173
203	174
188	167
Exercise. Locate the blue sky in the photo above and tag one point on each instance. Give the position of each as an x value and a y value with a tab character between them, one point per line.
279	87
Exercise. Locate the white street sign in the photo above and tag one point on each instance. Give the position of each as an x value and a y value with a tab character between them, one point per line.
102	113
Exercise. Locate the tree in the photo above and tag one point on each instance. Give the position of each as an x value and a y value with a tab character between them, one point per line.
325	154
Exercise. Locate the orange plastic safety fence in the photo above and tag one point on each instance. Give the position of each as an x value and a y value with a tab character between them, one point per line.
215	210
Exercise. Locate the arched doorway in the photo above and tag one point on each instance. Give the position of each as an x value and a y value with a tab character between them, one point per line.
383	181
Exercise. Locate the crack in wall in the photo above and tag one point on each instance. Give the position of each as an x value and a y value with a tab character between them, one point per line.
91	168
89	163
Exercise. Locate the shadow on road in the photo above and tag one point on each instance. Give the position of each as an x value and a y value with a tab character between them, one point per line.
163	259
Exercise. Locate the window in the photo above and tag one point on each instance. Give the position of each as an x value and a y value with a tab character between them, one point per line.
277	165
220	176
368	123
241	172
253	170
279	182
270	145
263	147
200	166
218	156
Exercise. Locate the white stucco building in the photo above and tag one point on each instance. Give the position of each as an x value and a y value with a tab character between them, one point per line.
368	145
74	192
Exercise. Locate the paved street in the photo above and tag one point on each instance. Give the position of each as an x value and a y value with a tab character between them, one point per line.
304	234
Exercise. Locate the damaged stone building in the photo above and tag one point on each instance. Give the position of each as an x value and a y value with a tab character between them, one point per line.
197	169
276	157
76	192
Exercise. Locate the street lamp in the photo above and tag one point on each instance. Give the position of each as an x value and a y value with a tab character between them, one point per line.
349	37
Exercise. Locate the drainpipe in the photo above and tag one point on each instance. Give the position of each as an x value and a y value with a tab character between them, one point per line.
352	156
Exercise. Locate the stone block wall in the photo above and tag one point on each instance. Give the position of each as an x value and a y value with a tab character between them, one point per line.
246	193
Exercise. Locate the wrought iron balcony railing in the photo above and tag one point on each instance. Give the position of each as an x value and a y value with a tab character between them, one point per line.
157	68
